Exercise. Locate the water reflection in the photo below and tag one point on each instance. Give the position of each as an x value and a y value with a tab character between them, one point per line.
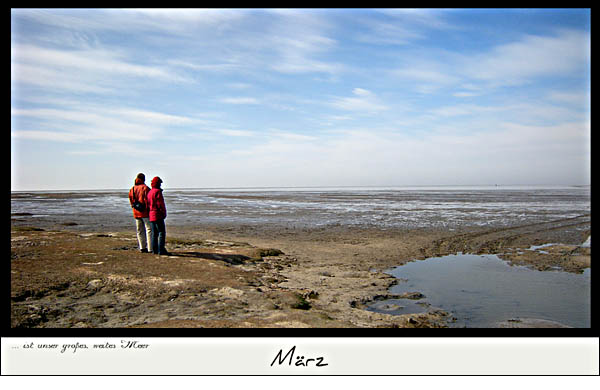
483	290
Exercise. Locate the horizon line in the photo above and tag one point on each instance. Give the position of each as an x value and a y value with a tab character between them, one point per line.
313	186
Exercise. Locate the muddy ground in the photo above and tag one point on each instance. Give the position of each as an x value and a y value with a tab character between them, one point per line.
250	276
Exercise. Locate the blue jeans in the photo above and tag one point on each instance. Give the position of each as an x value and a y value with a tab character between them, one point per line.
159	234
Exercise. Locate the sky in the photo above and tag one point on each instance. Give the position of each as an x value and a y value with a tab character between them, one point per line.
225	98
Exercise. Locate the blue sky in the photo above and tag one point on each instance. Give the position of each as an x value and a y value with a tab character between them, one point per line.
299	97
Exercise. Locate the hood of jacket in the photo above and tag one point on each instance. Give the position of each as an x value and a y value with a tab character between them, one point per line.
156	182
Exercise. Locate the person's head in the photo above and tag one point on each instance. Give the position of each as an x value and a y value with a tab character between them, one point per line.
156	182
140	178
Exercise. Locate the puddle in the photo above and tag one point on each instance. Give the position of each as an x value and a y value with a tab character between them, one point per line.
399	306
481	291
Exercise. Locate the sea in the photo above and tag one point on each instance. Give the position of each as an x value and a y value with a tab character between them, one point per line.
448	207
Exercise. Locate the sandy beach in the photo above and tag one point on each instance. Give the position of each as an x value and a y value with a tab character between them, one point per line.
250	276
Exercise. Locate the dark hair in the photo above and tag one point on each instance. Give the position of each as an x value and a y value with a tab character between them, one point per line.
141	176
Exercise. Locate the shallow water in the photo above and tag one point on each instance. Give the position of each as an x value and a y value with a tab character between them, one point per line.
405	207
482	290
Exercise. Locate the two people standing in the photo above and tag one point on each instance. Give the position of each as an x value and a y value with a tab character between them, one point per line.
149	211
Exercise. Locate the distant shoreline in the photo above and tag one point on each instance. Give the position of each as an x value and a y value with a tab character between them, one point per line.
333	188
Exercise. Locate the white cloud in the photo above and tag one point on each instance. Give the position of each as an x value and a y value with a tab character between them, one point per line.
505	152
298	39
91	60
211	67
172	21
291	136
427	76
465	94
53	80
462	110
239	85
382	33
577	99
90	70
517	63
363	101
236	133
399	26
529	58
239	100
423	17
55	136
90	122
362	92
149	116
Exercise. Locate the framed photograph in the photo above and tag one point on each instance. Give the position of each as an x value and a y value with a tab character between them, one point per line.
300	192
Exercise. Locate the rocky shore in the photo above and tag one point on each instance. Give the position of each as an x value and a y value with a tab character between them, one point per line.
251	276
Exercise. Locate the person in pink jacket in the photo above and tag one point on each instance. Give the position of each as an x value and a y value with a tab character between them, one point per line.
157	213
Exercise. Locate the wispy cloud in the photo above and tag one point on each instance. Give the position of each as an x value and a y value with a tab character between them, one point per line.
462	110
239	100
95	123
173	21
399	26
299	40
207	67
294	137
88	70
236	133
463	94
56	79
517	63
362	101
529	58
574	99
427	76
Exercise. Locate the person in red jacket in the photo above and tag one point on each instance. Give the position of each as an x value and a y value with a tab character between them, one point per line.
139	194
158	213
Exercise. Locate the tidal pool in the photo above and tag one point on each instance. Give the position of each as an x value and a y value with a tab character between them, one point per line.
481	291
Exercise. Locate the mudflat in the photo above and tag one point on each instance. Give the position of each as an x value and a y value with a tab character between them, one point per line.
251	276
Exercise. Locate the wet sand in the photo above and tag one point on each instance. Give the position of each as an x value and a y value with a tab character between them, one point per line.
236	276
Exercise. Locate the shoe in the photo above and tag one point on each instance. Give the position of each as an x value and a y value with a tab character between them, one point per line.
165	253
144	250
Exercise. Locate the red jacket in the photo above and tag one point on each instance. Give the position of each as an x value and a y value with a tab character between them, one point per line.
139	192
156	203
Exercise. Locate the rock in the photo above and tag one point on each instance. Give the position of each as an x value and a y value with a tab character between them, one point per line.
389	307
227	292
173	294
412	295
310	294
94	284
270	252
